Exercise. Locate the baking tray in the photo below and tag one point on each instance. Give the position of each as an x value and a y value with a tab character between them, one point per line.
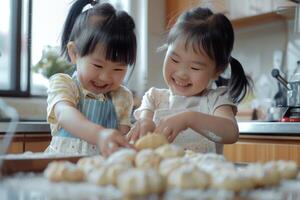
31	163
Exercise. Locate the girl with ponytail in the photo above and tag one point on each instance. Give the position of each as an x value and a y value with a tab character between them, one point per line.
89	113
192	113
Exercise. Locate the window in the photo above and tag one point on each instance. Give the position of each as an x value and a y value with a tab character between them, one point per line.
27	29
14	54
48	18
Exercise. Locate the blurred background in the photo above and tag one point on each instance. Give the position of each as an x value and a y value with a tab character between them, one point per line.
267	36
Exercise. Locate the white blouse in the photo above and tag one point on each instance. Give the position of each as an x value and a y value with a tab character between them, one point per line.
163	103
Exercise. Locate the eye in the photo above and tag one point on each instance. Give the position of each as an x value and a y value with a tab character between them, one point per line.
98	66
118	70
194	68
174	60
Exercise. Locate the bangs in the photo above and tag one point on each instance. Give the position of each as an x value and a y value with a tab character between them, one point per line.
119	44
195	37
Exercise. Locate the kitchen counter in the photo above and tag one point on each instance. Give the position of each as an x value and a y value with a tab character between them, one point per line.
253	128
27	127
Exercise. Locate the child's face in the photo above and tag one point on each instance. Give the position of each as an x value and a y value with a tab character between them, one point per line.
99	75
185	72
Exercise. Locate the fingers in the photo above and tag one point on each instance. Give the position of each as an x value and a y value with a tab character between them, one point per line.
112	147
135	134
167	132
122	142
104	150
172	137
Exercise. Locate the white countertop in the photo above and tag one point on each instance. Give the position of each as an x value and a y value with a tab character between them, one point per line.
261	128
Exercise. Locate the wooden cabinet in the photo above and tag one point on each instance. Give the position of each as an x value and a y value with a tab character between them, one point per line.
241	13
21	143
36	143
251	148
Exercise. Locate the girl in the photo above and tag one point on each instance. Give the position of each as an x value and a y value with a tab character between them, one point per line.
191	113
92	107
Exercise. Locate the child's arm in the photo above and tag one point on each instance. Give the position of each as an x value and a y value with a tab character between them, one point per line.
220	127
109	140
123	129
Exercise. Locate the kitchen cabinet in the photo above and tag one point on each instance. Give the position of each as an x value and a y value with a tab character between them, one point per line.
255	148
242	13
36	142
21	143
17	144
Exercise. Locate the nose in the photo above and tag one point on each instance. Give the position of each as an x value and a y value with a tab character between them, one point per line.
105	76
182	72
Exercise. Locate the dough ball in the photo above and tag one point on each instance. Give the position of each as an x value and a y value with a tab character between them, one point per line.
170	151
89	163
213	166
63	171
107	174
151	141
168	165
137	182
231	180
188	177
190	154
124	155
263	175
147	158
287	169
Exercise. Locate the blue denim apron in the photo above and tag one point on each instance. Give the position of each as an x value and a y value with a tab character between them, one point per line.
98	111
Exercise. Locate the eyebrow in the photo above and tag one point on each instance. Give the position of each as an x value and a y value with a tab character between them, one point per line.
193	61
118	64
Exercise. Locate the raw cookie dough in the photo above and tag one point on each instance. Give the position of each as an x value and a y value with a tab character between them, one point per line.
89	163
137	182
170	151
147	158
151	141
168	165
124	155
188	177
63	171
107	174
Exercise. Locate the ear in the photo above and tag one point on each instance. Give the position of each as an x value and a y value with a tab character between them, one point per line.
217	74
72	51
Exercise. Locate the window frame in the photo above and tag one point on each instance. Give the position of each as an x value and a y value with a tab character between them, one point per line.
16	47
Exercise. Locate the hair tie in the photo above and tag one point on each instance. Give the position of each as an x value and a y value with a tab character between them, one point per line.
94	2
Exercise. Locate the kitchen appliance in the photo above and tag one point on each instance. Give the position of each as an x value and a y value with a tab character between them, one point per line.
292	113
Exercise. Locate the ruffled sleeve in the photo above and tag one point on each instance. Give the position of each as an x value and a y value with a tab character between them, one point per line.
61	88
219	97
152	100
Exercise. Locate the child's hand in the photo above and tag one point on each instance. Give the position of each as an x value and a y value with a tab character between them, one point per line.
171	126
142	127
110	140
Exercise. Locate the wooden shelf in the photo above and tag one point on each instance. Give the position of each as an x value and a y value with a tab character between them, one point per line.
175	7
259	19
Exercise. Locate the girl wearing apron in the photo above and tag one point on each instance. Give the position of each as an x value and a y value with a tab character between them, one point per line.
190	112
90	112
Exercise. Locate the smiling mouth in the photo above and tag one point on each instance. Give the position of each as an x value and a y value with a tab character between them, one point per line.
181	84
105	86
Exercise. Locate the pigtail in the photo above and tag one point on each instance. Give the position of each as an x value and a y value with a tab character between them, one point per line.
239	82
74	12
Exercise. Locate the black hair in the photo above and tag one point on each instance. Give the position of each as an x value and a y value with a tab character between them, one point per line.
100	24
212	33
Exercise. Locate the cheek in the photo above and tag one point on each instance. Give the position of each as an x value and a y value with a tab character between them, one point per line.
168	69
119	77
